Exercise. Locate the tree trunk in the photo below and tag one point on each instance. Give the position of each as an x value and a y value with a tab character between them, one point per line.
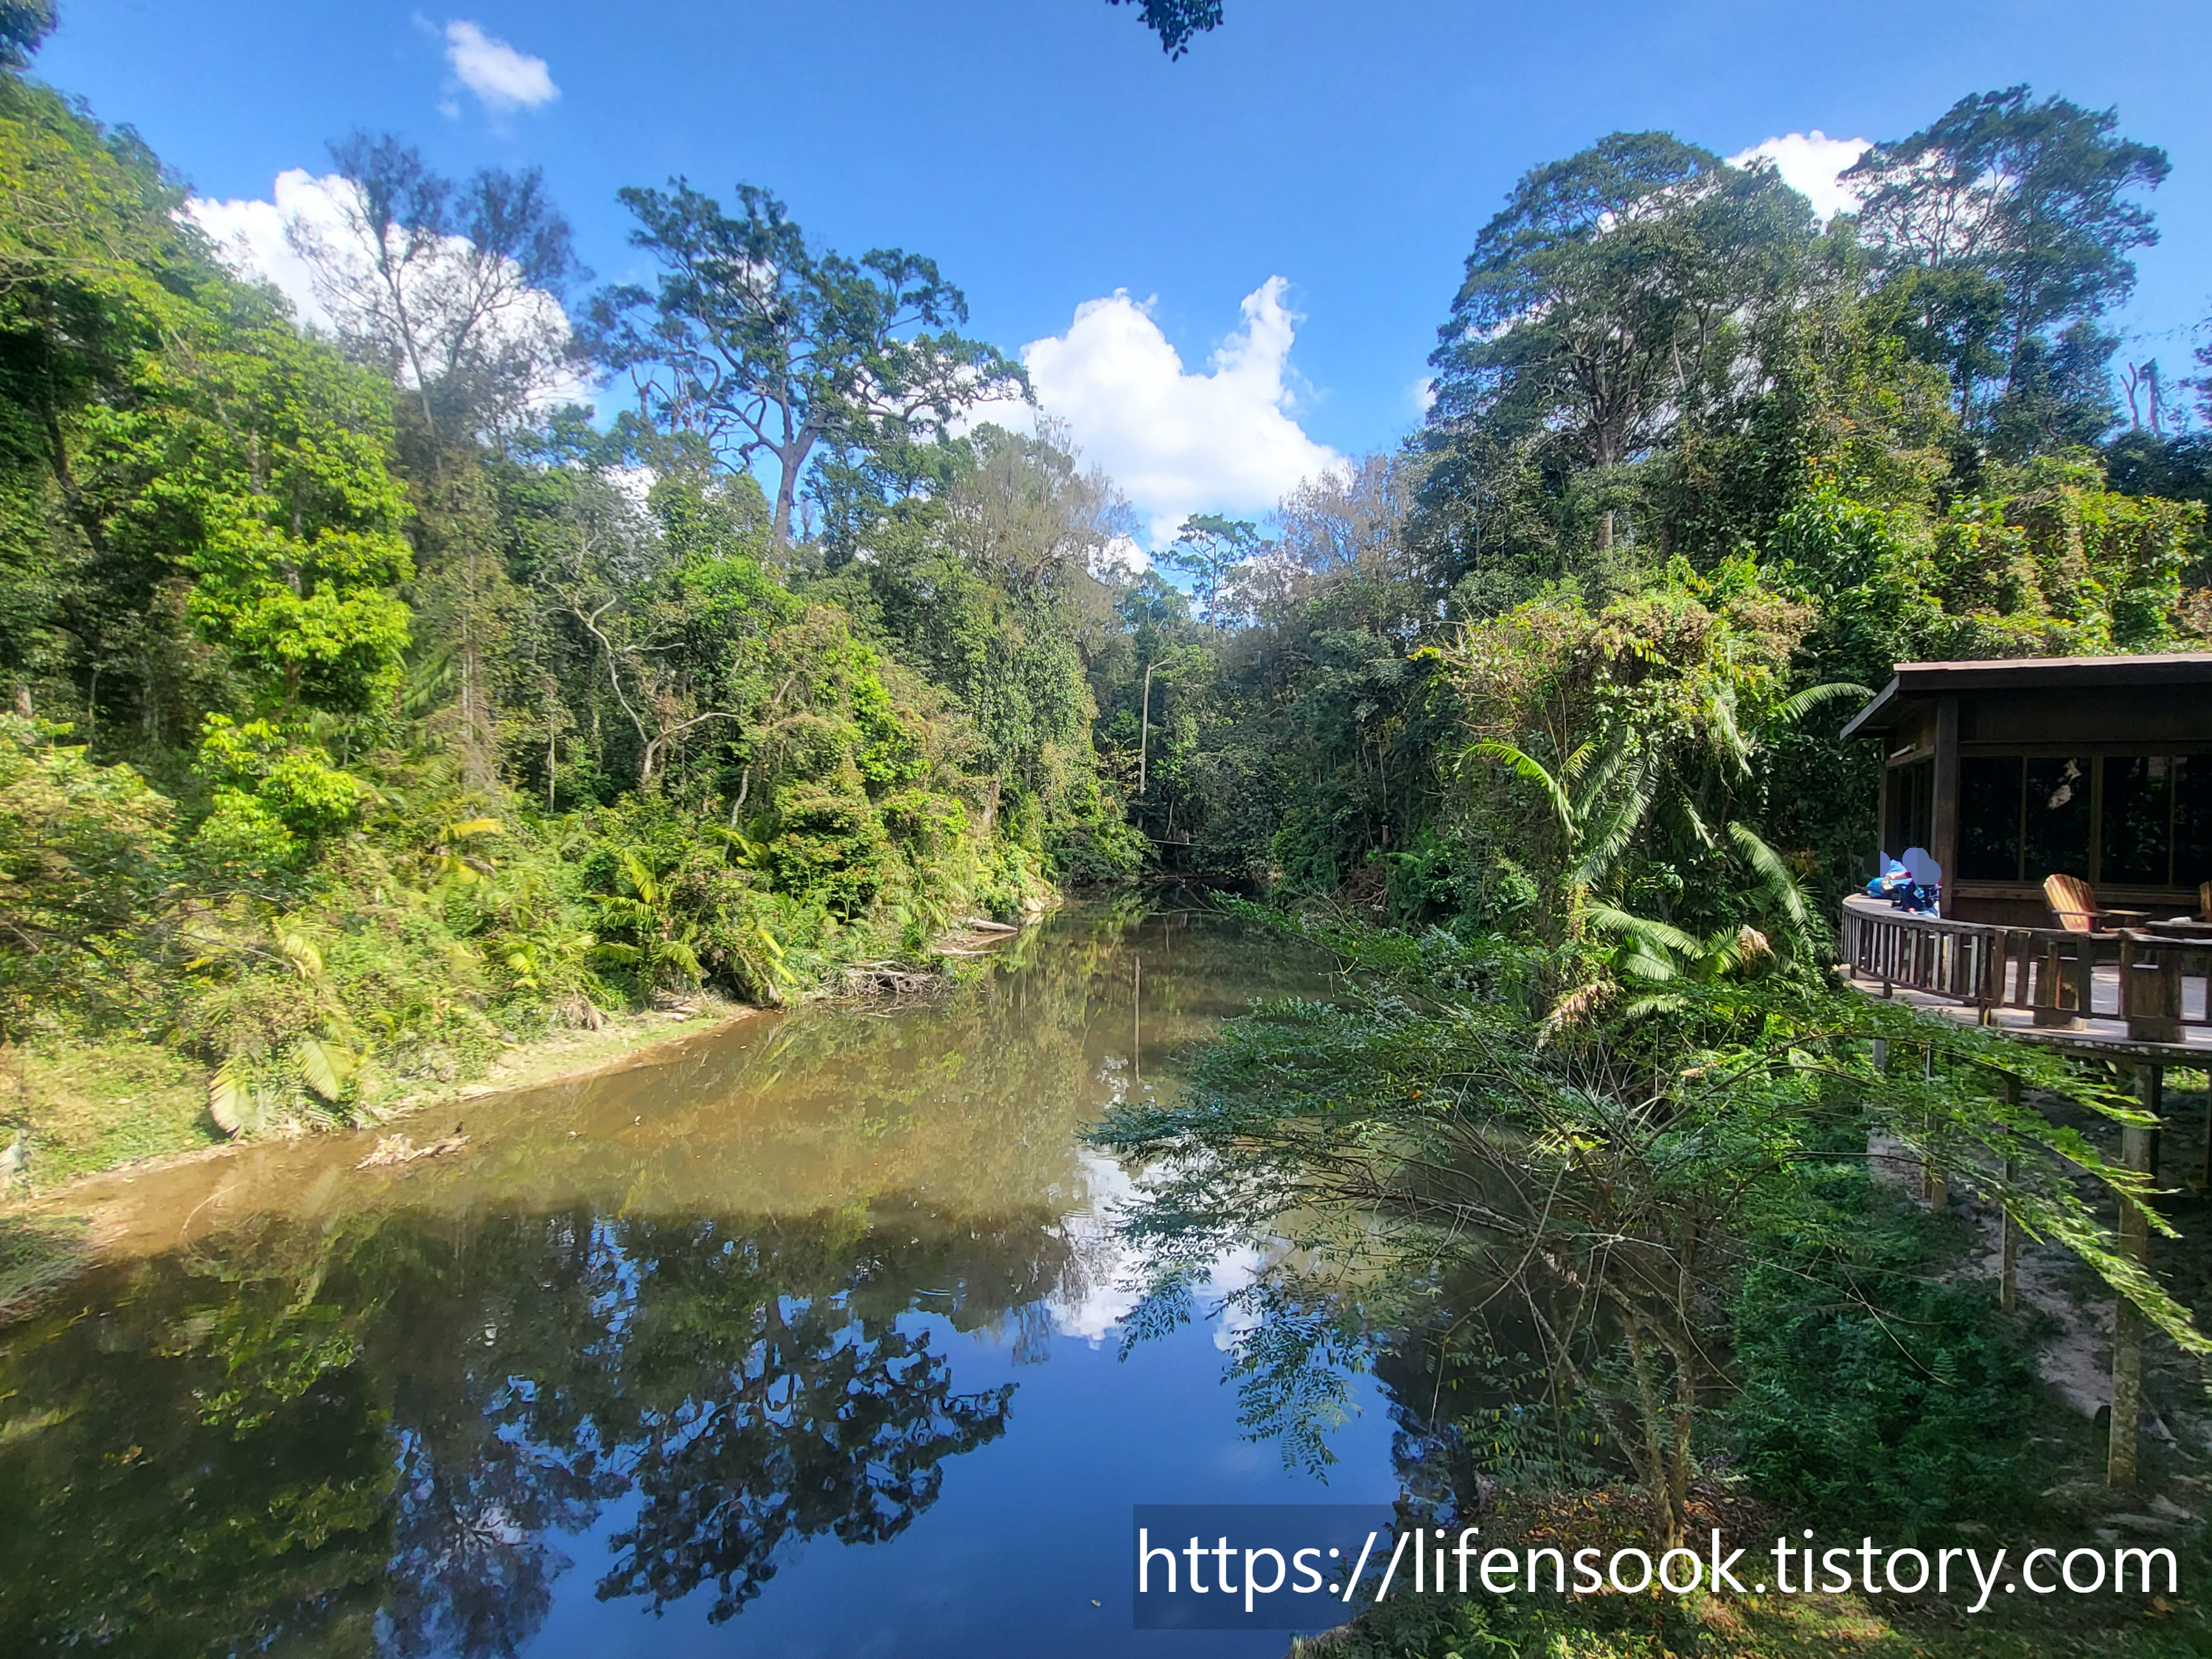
1658	1472
1144	731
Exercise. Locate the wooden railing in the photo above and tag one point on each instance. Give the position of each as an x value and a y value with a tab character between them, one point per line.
2049	972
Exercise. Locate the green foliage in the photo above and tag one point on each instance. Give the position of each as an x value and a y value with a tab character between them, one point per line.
290	781
81	865
1177	20
1692	457
2012	219
1603	277
1647	1198
1207	550
1869	1396
465	740
829	843
822	350
253	464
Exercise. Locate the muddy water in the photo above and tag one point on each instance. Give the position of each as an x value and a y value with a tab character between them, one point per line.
803	1339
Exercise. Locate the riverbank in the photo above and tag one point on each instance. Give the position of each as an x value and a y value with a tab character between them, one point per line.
82	1112
86	1119
98	1114
72	1110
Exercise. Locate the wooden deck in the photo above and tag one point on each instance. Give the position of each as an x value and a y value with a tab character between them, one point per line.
2118	996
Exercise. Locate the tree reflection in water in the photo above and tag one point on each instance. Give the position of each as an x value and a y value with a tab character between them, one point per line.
722	1379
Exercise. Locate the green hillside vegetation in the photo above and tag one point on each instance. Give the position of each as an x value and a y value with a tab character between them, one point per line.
362	722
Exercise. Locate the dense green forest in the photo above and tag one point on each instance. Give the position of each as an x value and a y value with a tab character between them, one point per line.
374	707
370	712
1534	724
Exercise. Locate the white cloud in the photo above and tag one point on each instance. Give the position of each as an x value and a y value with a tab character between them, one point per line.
1179	443
251	236
1122	554
505	79
1104	1281
1808	163
1102	1285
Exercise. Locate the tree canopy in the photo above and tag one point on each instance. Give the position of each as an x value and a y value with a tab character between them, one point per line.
765	347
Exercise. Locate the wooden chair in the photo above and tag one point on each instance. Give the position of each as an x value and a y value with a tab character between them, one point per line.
2073	900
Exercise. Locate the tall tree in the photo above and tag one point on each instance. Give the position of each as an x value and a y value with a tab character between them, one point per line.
1207	548
2033	200
24	27
1599	302
770	348
453	288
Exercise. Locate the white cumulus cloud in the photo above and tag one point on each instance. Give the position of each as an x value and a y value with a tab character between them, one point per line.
1178	443
1808	163
251	236
505	79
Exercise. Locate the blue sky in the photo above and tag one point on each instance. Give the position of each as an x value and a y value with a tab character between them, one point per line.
1048	154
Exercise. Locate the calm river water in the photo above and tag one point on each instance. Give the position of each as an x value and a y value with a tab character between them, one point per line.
801	1340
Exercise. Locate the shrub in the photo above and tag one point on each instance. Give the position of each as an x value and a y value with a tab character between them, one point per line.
82	858
1869	1392
831	846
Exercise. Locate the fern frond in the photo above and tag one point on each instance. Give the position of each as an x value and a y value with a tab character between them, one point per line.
230	1096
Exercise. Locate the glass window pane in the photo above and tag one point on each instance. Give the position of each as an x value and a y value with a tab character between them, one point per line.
1989	819
1911	808
2137	831
2192	824
2058	819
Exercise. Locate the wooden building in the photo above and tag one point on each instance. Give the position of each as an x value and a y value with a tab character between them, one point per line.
2098	769
2009	771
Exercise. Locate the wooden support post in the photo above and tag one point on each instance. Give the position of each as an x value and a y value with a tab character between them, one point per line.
2008	1229
2082	970
1943	822
2150	993
2139	1153
2054	1002
1934	1180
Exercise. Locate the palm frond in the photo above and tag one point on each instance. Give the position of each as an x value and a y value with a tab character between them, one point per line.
322	1065
1643	930
1774	874
1720	713
230	1096
1532	770
1619	828
1812	697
